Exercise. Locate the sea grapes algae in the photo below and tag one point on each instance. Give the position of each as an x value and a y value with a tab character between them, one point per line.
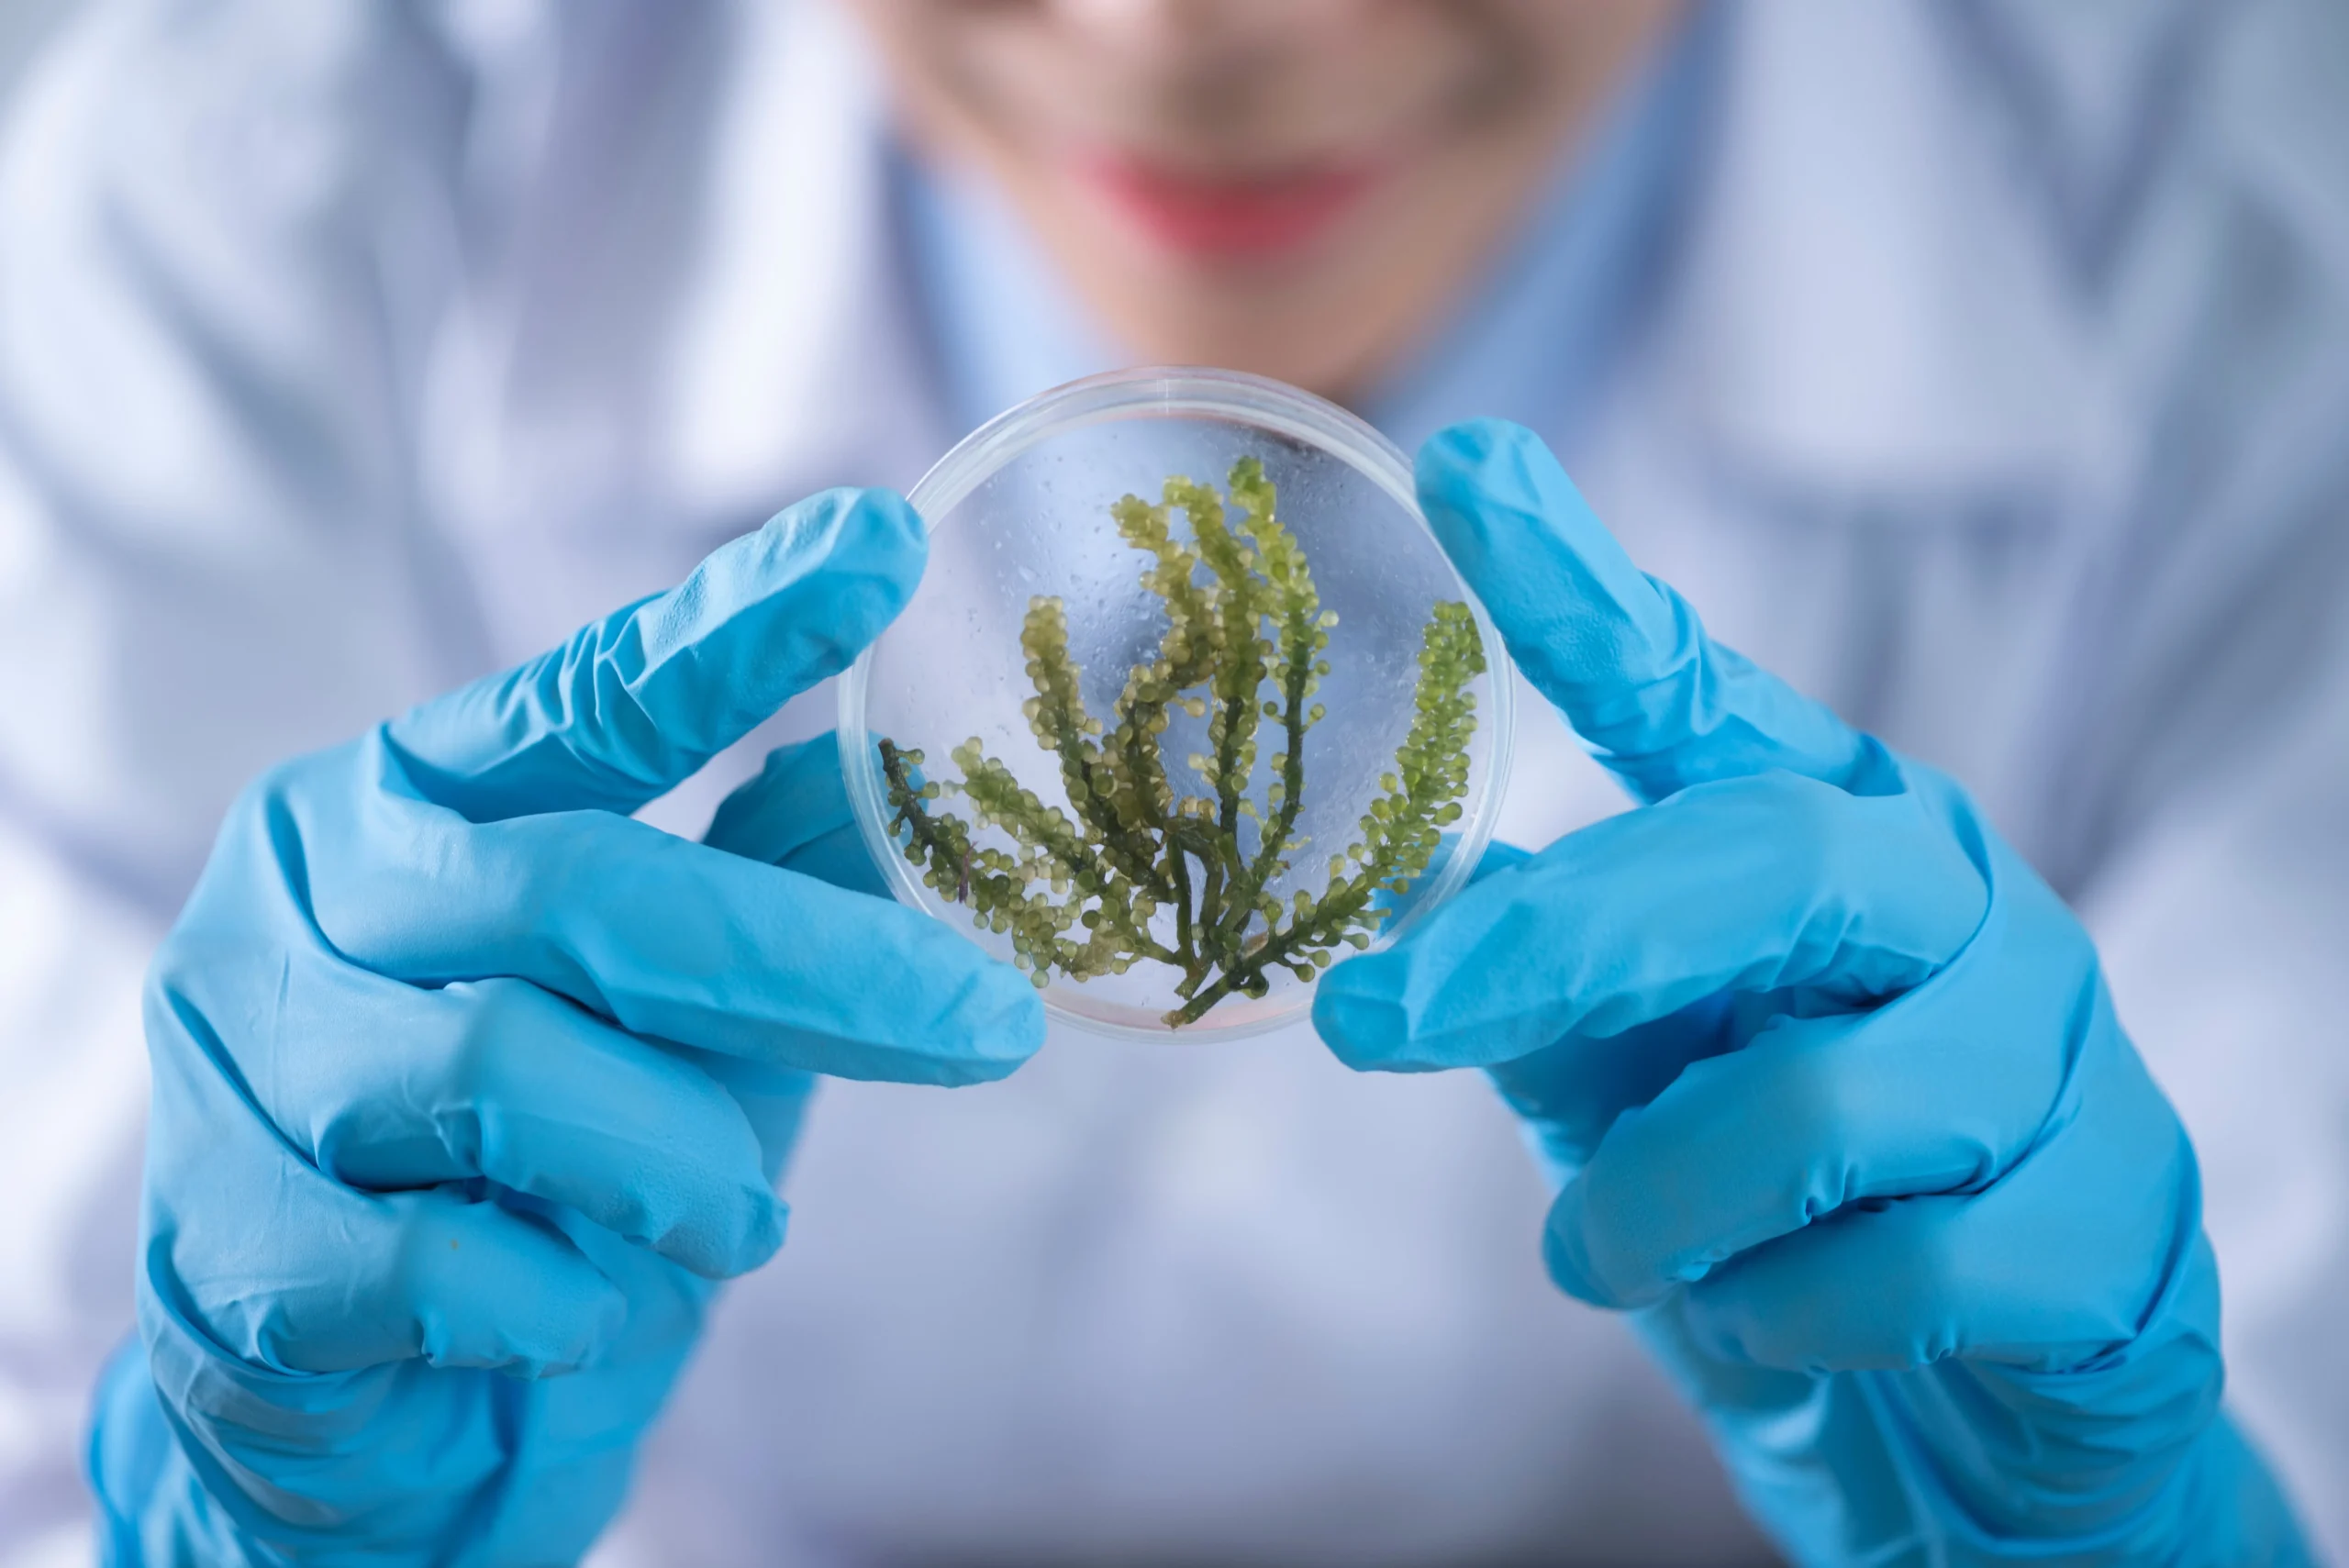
1138	869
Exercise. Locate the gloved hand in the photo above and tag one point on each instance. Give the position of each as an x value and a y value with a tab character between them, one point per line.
467	1087
1833	1091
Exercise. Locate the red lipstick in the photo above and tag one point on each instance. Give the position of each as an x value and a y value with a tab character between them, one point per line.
1231	217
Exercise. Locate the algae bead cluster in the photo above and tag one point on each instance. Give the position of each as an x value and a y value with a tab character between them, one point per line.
1135	870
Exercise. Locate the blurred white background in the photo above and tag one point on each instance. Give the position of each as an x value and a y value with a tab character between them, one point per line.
23	25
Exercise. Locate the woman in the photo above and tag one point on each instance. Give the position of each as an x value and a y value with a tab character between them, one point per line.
1974	373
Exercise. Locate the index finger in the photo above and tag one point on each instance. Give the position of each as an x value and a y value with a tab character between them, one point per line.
1621	655
665	937
1752	885
632	705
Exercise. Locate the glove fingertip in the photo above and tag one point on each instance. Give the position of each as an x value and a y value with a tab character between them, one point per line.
1472	445
869	549
1001	1016
1581	620
756	1236
1360	1019
951	1017
874	531
1472	473
1565	1253
1563	1261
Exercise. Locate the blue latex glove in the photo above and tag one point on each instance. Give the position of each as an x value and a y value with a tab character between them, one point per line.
1834	1092
467	1087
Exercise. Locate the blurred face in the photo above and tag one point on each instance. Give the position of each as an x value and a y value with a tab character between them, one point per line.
1295	187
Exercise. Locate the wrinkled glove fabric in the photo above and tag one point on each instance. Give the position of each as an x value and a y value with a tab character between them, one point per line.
468	1087
1832	1091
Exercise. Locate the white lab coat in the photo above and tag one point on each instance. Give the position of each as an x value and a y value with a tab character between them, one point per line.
2000	396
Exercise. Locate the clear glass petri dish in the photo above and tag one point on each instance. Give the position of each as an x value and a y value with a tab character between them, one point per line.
1021	511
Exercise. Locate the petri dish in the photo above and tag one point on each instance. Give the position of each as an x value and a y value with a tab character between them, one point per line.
1021	513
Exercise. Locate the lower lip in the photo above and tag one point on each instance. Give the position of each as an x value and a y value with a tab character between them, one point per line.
1232	219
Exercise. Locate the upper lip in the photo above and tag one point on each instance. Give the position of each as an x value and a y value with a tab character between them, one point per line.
1257	209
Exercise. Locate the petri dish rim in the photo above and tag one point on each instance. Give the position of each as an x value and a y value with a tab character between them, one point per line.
1178	392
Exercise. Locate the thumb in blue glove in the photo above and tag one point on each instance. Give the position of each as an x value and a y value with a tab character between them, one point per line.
1835	1095
467	1087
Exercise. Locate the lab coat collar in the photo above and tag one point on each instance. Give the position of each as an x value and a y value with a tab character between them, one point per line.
800	361
1895	323
1883	317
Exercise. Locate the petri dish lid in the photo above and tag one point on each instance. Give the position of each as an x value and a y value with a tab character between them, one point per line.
1021	511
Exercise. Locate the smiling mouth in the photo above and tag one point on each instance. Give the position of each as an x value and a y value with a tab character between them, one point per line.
1231	217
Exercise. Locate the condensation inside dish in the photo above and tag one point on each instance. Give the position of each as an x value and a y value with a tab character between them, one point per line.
951	668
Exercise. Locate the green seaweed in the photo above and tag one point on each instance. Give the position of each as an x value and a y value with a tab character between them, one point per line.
1082	894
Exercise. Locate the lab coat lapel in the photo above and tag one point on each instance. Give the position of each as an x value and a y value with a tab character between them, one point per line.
1882	322
655	352
800	361
1878	321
